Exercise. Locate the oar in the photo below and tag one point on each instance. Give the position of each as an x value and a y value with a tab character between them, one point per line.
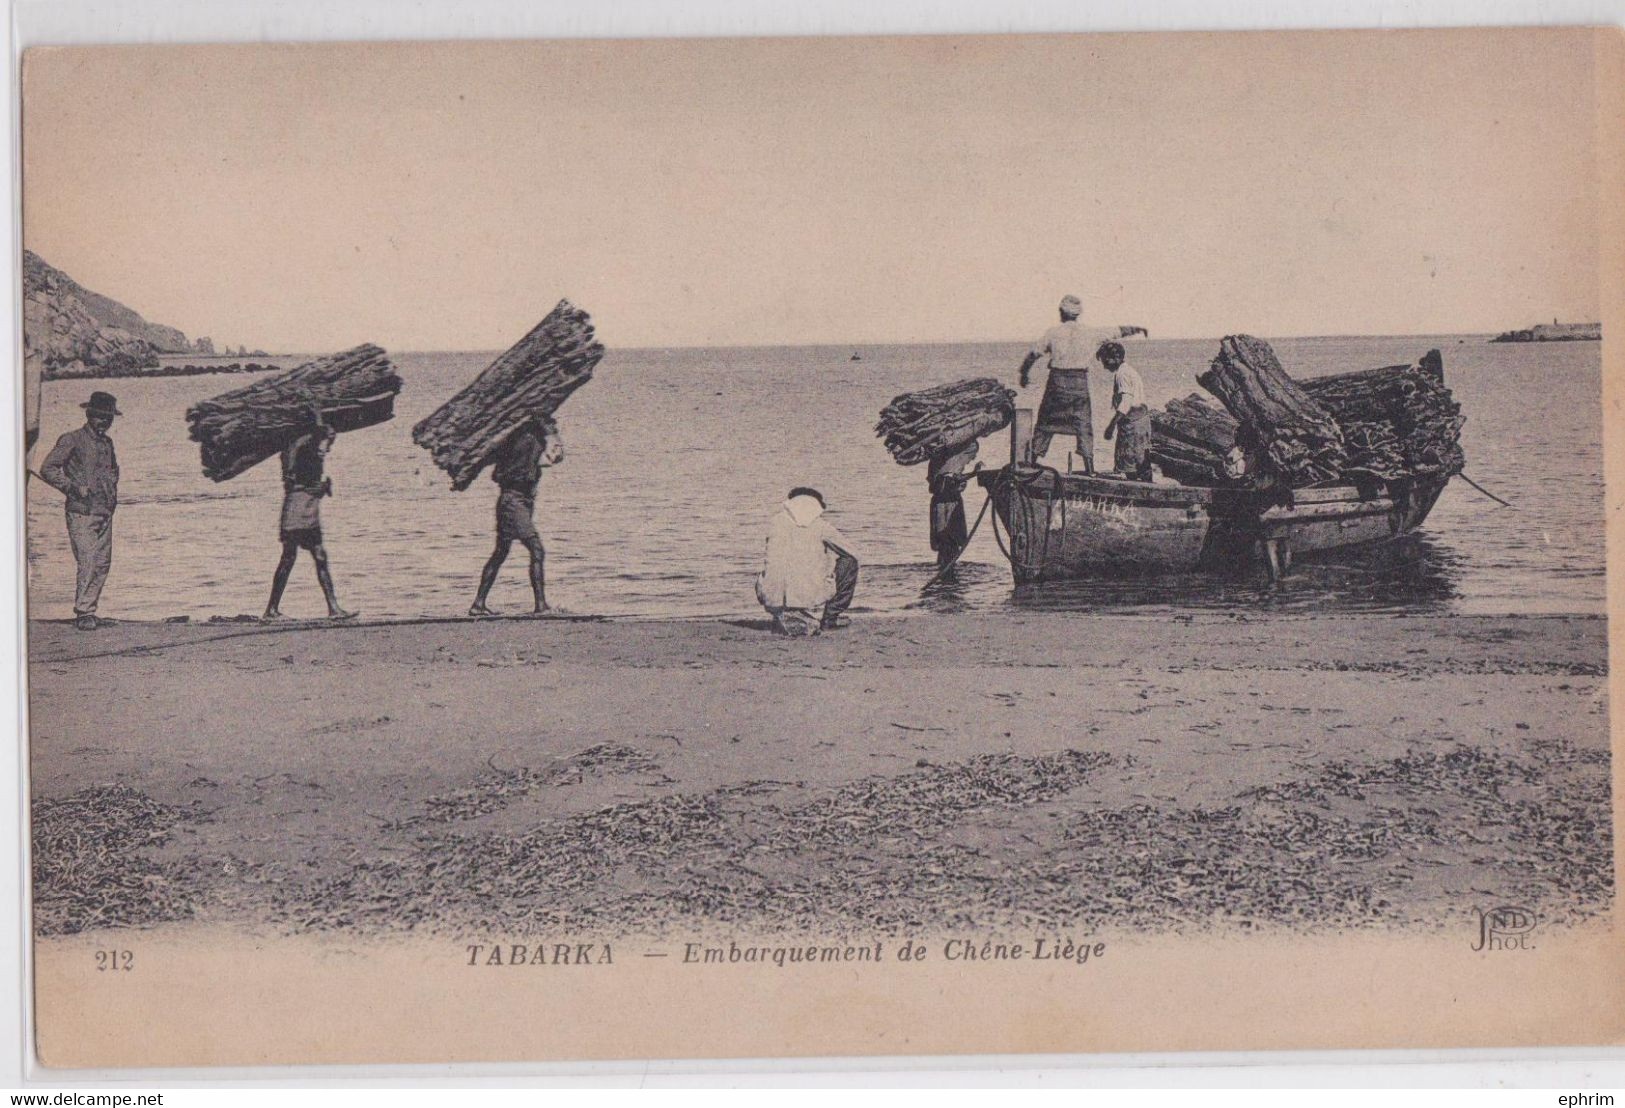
962	549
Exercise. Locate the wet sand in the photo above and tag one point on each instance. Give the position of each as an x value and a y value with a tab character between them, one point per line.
517	776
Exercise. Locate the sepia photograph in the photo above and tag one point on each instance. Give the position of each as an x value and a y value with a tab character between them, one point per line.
725	548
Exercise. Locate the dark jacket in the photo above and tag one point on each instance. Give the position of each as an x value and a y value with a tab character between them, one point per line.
83	467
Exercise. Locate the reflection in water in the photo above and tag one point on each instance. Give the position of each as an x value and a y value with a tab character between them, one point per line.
1413	574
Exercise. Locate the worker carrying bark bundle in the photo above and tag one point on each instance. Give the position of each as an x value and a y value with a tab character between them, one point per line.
522	388
941	426
504	419
919	426
343	392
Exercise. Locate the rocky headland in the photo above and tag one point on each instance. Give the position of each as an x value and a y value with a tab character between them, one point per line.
76	332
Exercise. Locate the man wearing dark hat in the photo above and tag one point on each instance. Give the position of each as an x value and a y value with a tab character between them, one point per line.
83	467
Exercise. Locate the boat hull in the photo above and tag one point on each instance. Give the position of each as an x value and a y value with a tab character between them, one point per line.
1059	527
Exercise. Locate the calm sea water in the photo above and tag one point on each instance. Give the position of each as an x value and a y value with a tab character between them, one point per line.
677	458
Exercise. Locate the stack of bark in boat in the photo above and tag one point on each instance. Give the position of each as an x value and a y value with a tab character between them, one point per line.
239	429
1190	438
1298	442
917	426
1398	421
527	383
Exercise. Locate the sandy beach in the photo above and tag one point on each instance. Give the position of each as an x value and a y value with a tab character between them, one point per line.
526	776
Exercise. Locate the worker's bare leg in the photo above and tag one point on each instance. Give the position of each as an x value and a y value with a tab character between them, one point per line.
488	576
279	579
1038	445
324	578
1086	451
538	575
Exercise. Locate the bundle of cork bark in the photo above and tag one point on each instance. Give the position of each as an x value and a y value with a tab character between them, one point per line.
1297	441
1190	438
1397	422
526	384
239	429
918	426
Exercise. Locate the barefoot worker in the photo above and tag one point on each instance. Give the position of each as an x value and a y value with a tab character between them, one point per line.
1065	408
1131	419
84	468
303	488
946	476
517	470
809	573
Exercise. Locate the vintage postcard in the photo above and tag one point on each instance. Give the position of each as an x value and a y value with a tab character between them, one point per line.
783	547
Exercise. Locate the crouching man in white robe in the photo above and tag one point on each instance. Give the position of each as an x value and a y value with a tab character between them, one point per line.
809	573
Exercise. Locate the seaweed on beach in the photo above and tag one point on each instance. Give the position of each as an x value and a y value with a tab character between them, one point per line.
1345	847
591	866
997	841
931	798
501	786
521	880
88	862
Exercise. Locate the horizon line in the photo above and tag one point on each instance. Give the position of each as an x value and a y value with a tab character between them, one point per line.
858	345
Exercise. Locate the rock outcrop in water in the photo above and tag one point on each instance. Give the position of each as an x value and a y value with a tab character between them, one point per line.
79	333
1554	332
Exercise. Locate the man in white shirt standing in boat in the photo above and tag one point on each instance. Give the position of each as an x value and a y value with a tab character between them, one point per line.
1066	408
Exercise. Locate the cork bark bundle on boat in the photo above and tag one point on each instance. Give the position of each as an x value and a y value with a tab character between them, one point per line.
1397	422
528	382
1190	438
239	429
1298	441
919	425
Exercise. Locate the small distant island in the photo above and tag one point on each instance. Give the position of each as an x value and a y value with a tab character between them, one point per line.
76	333
1554	332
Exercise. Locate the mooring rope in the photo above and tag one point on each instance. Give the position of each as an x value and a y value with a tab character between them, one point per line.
1485	491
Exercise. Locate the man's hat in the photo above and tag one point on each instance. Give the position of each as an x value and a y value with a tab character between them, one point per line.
1071	304
101	403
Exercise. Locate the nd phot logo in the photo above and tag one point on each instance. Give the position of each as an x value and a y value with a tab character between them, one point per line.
1504	928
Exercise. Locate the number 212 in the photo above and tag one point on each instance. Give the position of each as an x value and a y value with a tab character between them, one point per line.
115	960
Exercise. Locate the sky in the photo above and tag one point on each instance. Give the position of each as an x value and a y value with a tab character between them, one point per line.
710	192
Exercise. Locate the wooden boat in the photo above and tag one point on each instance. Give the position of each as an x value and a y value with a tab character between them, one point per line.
1064	526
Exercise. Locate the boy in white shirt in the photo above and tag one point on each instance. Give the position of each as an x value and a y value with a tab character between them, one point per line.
1131	419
